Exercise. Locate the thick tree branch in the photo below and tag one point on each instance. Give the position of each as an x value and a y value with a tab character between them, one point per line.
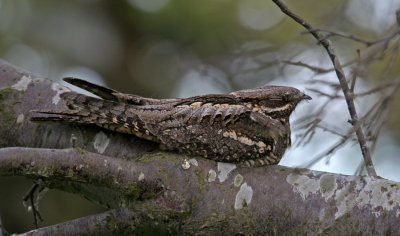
219	199
114	222
349	96
56	166
207	198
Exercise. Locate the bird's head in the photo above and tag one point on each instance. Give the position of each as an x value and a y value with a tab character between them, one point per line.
274	101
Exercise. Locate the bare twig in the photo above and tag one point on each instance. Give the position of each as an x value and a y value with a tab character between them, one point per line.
395	51
335	96
355	71
30	195
343	82
316	69
334	85
368	43
360	169
332	131
380	45
378	110
374	90
310	131
382	107
313	68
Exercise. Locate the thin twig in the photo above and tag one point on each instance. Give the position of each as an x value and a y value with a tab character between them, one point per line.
30	195
328	152
377	119
383	107
335	96
354	71
395	52
343	82
310	131
368	43
360	169
374	90
316	69
324	128
333	85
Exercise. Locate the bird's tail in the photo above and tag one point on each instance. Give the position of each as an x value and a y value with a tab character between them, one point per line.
82	110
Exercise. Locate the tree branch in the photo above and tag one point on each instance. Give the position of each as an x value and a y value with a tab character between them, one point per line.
349	96
115	222
368	43
215	200
55	166
206	198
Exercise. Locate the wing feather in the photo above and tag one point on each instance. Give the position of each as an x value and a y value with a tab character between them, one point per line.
113	95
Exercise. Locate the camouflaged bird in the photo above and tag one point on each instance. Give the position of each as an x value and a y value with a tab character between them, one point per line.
247	126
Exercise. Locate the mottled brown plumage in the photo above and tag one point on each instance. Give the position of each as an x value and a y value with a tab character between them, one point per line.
247	126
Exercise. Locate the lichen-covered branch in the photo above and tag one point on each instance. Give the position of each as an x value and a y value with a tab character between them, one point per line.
114	222
225	195
349	96
207	198
56	167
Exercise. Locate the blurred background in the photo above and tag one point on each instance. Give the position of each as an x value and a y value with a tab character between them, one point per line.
180	48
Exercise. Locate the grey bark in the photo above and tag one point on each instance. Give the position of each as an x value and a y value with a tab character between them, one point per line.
151	192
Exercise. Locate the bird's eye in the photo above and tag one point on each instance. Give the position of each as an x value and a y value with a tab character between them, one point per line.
275	98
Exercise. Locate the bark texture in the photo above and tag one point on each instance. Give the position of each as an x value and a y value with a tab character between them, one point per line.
148	190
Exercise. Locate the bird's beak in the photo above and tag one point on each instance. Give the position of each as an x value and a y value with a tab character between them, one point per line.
306	97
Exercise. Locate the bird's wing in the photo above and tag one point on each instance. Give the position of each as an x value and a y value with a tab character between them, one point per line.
113	95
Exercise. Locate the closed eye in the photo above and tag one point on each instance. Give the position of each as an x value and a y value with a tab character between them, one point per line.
274	98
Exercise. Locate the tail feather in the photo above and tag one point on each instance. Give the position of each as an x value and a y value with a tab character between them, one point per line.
69	116
101	91
85	110
64	113
107	113
107	93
